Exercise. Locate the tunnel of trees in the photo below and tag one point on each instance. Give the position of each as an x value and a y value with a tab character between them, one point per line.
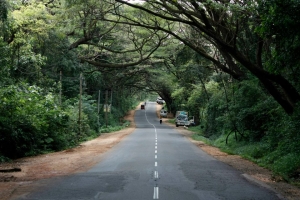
232	64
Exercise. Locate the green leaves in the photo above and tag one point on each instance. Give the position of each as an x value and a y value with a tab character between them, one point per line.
3	10
33	21
28	118
279	25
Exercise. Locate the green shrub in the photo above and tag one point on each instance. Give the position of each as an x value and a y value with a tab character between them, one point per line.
199	137
31	122
3	159
110	129
287	166
252	151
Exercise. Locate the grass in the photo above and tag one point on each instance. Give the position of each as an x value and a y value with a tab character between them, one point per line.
110	129
284	165
171	121
198	135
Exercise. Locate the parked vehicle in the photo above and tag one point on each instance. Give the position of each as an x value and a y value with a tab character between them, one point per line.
192	121
182	119
163	113
181	113
159	100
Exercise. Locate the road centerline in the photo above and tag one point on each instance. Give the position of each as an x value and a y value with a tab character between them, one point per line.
155	194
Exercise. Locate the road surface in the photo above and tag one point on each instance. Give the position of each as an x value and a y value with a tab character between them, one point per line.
154	162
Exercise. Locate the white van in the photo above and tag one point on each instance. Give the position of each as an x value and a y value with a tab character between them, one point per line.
182	120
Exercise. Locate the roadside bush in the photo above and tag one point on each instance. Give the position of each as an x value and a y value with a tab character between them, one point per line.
109	129
265	133
30	122
287	166
251	110
76	131
89	108
215	108
253	151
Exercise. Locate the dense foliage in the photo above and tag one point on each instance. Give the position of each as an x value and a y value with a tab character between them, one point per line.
232	64
49	100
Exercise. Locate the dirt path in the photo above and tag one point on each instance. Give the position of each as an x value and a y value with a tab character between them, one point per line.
85	156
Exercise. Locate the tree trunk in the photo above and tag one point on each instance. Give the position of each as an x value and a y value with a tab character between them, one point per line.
280	88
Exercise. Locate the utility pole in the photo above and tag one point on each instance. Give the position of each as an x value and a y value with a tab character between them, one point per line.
110	101
111	97
79	104
60	87
106	107
99	101
99	129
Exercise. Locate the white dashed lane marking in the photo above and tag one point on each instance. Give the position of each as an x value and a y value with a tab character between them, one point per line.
156	190
155	195
156	174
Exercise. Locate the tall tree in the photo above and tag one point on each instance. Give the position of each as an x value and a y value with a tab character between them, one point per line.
104	44
226	25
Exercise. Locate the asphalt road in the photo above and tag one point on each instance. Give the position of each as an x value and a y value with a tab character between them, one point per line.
154	162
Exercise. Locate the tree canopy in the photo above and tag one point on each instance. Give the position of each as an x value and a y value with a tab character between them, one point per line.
228	27
232	64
